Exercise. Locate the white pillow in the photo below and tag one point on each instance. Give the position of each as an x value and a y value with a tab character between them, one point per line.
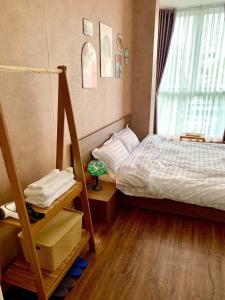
128	138
112	155
111	140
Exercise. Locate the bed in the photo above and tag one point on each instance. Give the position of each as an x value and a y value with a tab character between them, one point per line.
188	172
186	178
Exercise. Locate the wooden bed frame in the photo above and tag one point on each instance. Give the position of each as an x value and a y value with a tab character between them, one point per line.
174	207
97	138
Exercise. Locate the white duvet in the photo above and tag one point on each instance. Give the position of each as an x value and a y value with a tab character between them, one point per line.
189	172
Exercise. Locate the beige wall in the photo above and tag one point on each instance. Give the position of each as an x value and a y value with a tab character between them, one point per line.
145	28
49	33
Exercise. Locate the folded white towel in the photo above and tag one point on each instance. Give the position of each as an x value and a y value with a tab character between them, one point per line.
38	184
51	199
50	187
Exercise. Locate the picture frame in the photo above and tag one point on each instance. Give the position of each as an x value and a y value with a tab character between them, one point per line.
126	56
89	66
119	42
106	49
88	28
118	65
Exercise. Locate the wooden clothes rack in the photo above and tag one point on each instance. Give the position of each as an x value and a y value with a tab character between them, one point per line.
30	276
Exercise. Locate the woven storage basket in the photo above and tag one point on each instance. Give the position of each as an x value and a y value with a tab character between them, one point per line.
57	239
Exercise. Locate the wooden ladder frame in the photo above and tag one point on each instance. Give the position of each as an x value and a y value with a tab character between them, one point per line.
64	107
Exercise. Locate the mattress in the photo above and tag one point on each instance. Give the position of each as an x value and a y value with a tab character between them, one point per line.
189	172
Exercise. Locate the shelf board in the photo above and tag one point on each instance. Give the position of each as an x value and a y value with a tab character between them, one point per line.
20	274
51	211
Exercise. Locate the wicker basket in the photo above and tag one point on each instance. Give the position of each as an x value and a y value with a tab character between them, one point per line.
57	239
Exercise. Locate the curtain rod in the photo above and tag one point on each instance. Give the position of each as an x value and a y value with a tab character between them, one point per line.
201	6
4	68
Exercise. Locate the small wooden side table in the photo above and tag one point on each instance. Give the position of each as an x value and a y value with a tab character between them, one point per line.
193	137
104	203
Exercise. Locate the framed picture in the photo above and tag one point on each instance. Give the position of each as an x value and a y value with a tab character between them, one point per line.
89	66
88	27
106	50
126	56
118	65
119	42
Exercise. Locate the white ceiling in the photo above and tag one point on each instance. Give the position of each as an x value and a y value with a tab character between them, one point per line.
184	3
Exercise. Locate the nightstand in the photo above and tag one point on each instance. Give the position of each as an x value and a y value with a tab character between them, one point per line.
104	203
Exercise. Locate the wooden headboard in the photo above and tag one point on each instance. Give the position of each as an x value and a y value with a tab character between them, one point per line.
98	137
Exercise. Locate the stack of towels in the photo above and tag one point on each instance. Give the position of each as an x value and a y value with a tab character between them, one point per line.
45	191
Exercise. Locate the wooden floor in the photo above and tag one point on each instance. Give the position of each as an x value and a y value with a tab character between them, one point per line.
147	255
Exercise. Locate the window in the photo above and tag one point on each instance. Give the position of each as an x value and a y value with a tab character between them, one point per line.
192	92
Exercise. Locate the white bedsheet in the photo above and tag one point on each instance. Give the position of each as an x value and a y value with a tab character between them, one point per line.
189	172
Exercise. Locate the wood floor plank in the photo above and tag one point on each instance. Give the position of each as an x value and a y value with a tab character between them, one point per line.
145	255
150	255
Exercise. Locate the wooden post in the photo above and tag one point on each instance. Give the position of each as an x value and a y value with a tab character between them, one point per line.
4	68
60	126
21	208
78	160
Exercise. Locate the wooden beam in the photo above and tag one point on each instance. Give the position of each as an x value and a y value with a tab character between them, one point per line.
29	70
60	125
77	155
20	206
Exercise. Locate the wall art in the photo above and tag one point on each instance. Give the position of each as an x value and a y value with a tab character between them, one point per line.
126	56
119	42
118	65
106	50
89	66
88	27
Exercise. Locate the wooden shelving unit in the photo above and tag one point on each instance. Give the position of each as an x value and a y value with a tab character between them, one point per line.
50	212
20	273
29	275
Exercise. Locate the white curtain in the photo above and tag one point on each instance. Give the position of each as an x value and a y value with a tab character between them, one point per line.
192	91
1	296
